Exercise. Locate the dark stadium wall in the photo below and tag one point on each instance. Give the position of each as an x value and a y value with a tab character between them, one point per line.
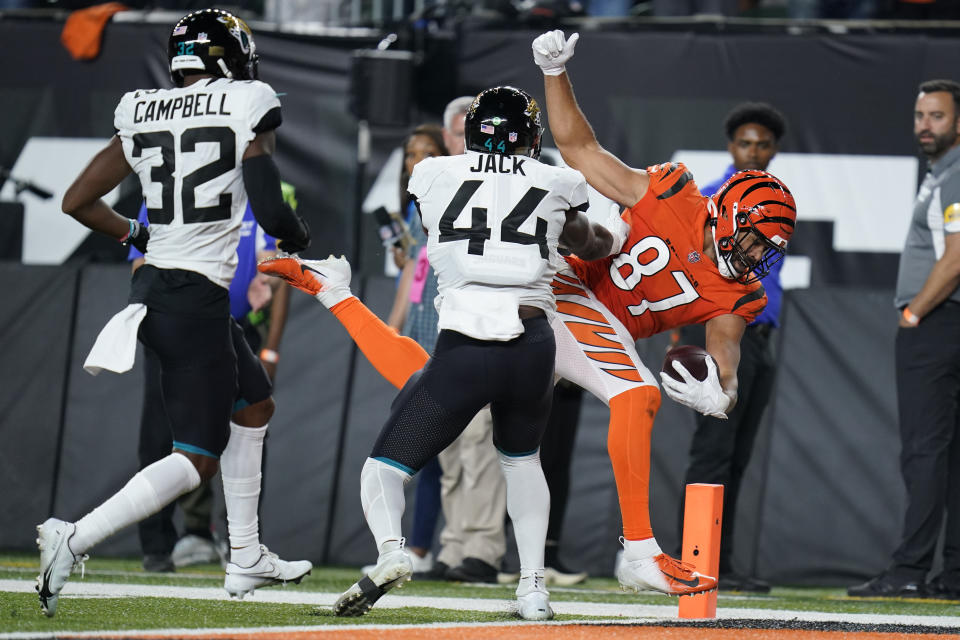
822	498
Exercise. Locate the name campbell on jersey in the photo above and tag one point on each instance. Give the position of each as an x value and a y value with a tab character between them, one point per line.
186	145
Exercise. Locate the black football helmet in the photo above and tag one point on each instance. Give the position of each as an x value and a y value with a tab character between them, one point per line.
504	120
212	41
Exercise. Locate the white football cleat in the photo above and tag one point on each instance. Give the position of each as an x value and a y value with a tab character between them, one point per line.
393	568
420	565
193	549
265	572
559	578
533	599
57	560
327	280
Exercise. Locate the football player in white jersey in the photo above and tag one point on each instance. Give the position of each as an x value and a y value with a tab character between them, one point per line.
494	217
200	150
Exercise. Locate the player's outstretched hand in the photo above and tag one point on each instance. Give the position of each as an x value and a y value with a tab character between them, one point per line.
552	50
705	396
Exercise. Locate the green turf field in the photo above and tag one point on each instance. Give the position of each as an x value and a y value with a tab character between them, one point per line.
19	610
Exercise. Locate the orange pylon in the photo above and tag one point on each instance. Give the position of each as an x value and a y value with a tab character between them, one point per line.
702	518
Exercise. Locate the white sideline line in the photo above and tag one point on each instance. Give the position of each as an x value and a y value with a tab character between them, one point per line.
633	612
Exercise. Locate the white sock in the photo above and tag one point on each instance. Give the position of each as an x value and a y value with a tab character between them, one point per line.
147	492
240	466
528	504
636	549
382	500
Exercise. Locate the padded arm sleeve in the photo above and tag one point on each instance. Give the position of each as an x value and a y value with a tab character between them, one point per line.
262	182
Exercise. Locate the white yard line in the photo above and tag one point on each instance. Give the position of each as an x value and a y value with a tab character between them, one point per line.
621	612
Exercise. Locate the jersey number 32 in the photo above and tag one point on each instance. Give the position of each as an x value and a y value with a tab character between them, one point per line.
163	173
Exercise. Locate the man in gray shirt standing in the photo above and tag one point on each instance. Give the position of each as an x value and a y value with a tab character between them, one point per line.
928	360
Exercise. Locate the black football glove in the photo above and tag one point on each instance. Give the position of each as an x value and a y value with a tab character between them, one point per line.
138	237
298	243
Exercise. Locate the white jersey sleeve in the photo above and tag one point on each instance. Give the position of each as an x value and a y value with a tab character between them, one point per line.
579	198
264	113
424	173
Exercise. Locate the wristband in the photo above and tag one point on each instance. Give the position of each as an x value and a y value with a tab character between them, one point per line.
128	233
910	318
269	355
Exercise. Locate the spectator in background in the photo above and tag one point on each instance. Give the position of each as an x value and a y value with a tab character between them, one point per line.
260	308
675	8
926	10
927	360
833	9
721	449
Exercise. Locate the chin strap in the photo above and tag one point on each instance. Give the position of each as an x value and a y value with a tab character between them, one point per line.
722	264
223	67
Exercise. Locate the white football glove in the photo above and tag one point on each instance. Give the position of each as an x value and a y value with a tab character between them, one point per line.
552	50
618	228
705	396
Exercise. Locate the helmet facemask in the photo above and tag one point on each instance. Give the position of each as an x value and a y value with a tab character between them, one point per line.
753	218
748	254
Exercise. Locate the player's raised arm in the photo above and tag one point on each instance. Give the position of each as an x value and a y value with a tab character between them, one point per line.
572	133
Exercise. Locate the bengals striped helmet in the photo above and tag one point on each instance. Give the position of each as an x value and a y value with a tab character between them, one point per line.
754	218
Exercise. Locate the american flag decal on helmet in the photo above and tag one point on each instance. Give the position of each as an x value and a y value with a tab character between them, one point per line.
486	128
179	31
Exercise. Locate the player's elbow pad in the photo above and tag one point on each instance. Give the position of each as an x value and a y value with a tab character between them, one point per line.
262	182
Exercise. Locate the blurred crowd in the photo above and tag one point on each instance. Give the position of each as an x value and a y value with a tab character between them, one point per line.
349	12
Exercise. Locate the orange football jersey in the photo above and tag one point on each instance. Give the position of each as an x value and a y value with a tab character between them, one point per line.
661	280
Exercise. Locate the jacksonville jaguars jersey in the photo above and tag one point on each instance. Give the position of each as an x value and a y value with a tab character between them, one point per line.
493	224
186	145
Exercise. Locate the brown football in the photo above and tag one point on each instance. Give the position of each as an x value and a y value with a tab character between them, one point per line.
692	357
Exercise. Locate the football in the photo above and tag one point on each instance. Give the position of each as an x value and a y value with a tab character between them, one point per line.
692	357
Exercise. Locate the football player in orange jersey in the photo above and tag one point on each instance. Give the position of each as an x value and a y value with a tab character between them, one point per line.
688	260
684	259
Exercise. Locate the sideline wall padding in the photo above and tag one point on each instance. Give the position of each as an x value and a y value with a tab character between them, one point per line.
822	499
35	322
834	501
102	420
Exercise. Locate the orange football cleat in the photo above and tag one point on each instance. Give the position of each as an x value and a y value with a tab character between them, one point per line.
664	574
327	280
293	271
